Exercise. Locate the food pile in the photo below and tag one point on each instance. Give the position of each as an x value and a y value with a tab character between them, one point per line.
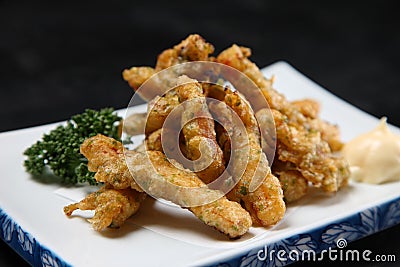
306	148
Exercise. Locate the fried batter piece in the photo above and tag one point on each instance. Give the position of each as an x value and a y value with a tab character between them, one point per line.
158	110
153	141
106	158
193	48
226	216
136	76
198	127
311	155
308	107
265	203
237	57
112	207
224	129
300	137
293	183
329	132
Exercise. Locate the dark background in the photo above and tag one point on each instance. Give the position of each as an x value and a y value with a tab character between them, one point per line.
59	57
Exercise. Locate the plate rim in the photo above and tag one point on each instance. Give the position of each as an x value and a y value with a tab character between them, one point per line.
34	252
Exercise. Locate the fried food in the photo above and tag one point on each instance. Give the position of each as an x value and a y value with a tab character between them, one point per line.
141	147
237	57
198	131
329	133
311	155
193	48
302	149
265	203
153	141
136	76
268	139
112	207
308	107
224	129
158	110
226	216
300	138
293	183
106	158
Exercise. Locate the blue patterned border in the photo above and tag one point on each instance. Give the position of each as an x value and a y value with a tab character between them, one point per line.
26	245
350	228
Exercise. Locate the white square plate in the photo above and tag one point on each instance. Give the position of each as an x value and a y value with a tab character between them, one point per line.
33	223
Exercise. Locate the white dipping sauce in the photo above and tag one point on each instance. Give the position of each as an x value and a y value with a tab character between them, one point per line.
374	157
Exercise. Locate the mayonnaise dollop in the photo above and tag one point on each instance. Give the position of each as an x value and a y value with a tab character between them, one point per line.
374	157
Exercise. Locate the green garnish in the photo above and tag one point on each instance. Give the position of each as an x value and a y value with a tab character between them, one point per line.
59	149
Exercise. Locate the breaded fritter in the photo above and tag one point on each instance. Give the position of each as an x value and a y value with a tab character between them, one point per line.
265	203
158	110
311	155
106	157
293	183
136	76
112	206
198	131
301	139
193	48
226	216
224	129
155	170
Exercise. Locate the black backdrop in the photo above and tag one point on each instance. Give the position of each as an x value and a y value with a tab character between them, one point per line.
59	57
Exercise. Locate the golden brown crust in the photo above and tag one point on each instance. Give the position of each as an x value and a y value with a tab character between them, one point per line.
293	183
112	207
308	107
226	216
158	110
265	204
304	148
301	139
193	48
198	130
106	158
136	76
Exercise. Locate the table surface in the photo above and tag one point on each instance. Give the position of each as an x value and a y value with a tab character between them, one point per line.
59	58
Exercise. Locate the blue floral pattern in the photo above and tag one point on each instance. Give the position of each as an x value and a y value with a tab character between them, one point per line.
350	228
7	226
48	260
370	221
26	245
25	240
298	243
